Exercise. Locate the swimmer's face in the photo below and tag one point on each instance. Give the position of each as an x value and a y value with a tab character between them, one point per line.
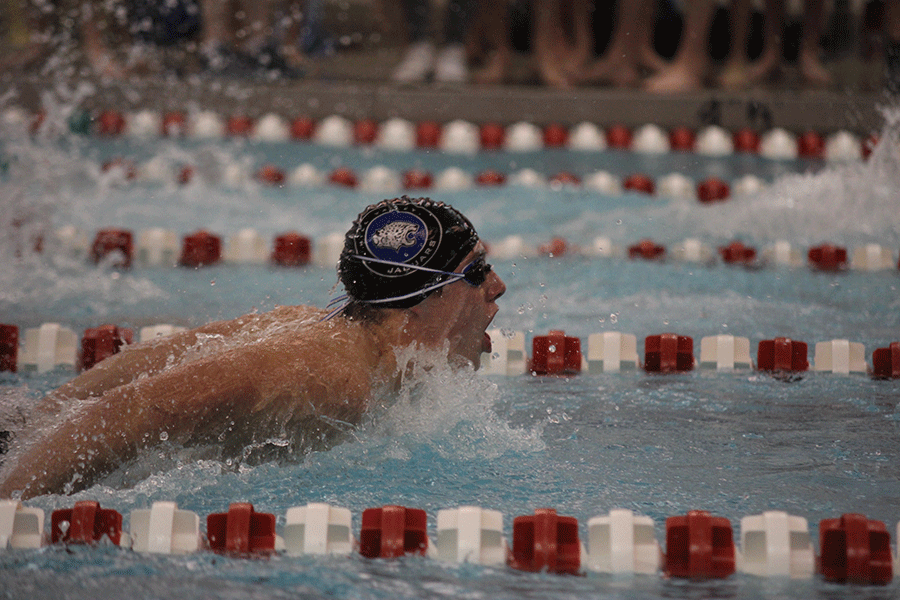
461	313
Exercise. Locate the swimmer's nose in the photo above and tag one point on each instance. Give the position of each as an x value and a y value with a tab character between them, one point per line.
496	287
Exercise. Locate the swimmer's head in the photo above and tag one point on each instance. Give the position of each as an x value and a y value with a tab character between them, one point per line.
399	251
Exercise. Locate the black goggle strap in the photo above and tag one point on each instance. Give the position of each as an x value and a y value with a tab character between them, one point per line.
474	274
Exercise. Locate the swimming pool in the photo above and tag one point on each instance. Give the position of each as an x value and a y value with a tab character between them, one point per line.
732	443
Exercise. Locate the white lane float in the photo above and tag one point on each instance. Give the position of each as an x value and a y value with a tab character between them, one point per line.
21	527
872	257
397	134
306	175
612	351
714	141
725	352
246	247
528	178
157	247
586	136
677	187
380	179
603	182
206	125
650	139
523	137
778	144
776	544
272	127
507	356
622	542
144	124
748	185
334	130
471	534
164	529
318	528
49	346
843	146
453	178
840	356
460	137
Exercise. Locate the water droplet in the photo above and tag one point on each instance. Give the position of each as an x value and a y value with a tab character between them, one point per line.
552	348
613	318
163	436
212	282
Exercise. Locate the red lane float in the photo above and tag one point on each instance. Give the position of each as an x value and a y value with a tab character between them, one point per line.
125	166
9	348
393	531
648	250
241	530
564	179
271	175
365	132
110	123
428	134
782	354
185	175
747	141
85	523
200	249
811	145
712	189
491	136
737	253
886	362
174	124
555	136
37	122
292	250
302	129
619	137
699	546
416	179
99	343
555	354
855	549
639	182
668	353
490	177
868	145
109	241
682	139
344	177
554	248
239	126
828	257
545	541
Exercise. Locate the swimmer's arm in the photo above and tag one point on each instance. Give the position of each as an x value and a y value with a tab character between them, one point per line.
247	387
146	359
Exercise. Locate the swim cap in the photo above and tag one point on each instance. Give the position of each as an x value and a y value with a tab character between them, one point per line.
431	237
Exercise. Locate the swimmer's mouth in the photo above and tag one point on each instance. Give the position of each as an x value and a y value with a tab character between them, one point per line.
486	345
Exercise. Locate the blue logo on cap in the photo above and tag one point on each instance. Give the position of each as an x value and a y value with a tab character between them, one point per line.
396	236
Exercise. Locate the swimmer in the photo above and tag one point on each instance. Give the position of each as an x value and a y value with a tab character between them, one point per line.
415	276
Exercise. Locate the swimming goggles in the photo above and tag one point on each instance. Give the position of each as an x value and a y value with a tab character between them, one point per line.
475	273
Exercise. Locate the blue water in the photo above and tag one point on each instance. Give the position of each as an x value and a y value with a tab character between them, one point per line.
734	444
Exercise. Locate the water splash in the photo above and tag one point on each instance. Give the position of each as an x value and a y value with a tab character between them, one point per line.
451	410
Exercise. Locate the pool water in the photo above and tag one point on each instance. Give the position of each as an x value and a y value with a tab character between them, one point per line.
732	443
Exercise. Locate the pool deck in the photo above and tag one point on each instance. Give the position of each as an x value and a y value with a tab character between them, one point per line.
356	84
